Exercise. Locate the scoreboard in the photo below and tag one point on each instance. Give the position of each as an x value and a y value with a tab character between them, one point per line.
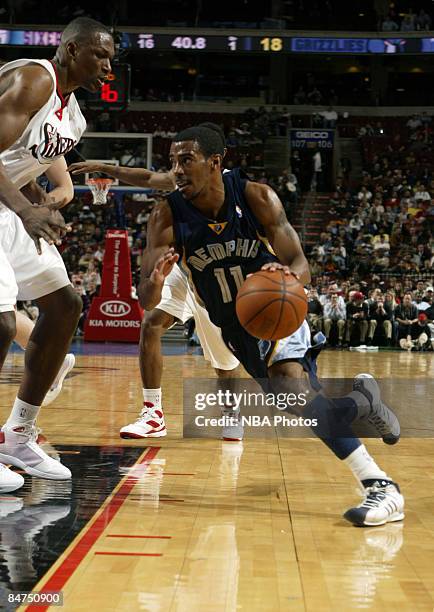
237	41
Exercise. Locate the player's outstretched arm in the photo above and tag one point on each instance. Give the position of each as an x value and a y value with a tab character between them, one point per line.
269	211
159	256
22	95
139	177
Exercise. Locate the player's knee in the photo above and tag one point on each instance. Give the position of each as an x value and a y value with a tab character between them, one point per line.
155	323
72	305
64	304
8	328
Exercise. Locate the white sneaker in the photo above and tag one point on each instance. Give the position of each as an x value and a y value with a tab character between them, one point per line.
150	424
9	505
9	480
232	430
383	503
56	387
18	447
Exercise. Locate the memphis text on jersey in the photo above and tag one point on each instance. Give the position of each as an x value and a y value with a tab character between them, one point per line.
241	247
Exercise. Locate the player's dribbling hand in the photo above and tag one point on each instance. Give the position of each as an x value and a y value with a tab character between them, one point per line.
275	265
83	167
164	266
41	222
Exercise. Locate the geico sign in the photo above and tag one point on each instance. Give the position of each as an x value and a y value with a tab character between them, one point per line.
311	134
115	308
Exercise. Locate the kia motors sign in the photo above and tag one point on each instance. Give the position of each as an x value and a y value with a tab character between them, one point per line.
114	315
115	308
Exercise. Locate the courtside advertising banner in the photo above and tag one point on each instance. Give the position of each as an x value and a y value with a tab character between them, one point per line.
114	315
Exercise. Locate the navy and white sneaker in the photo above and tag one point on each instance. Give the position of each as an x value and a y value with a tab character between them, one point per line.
373	410
383	503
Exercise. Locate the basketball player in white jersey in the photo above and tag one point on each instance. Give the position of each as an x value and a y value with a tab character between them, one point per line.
62	192
40	121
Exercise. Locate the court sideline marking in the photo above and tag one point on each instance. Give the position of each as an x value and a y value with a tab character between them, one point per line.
82	543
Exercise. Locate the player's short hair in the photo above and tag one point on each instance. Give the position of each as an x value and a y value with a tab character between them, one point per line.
83	28
216	128
209	140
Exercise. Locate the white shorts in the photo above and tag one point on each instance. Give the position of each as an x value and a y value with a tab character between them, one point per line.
294	346
25	275
179	301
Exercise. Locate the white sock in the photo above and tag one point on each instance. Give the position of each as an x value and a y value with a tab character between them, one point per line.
153	396
363	465
21	413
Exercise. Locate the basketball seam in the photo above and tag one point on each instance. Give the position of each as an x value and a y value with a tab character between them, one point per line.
295	295
295	311
267	276
280	316
280	282
260	311
246	293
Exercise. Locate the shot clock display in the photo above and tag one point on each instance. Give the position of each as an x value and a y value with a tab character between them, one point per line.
115	93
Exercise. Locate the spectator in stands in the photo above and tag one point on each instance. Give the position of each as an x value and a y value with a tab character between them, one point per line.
355	225
356	318
419	336
159	132
300	96
389	25
314	311
364	194
171	132
329	117
423	21
419	300
314	96
86	215
408	23
381	242
78	285
380	316
406	315
334	315
317	175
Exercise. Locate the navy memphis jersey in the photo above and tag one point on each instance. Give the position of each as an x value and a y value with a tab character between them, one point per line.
218	255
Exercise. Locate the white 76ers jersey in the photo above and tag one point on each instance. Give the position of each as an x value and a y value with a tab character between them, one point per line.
52	132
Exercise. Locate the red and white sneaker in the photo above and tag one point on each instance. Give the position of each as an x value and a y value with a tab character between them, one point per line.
150	424
18	447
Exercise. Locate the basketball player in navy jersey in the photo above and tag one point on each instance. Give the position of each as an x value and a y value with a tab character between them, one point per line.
220	223
40	121
178	303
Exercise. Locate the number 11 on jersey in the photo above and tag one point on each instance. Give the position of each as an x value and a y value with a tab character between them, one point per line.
223	283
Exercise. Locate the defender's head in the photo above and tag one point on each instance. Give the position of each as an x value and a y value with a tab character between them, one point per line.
196	156
86	48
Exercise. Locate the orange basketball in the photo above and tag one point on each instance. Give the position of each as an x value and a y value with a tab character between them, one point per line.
271	305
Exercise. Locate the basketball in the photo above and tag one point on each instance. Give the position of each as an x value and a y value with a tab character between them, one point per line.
271	305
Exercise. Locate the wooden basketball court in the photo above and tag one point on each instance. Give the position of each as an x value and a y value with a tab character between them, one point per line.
204	525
